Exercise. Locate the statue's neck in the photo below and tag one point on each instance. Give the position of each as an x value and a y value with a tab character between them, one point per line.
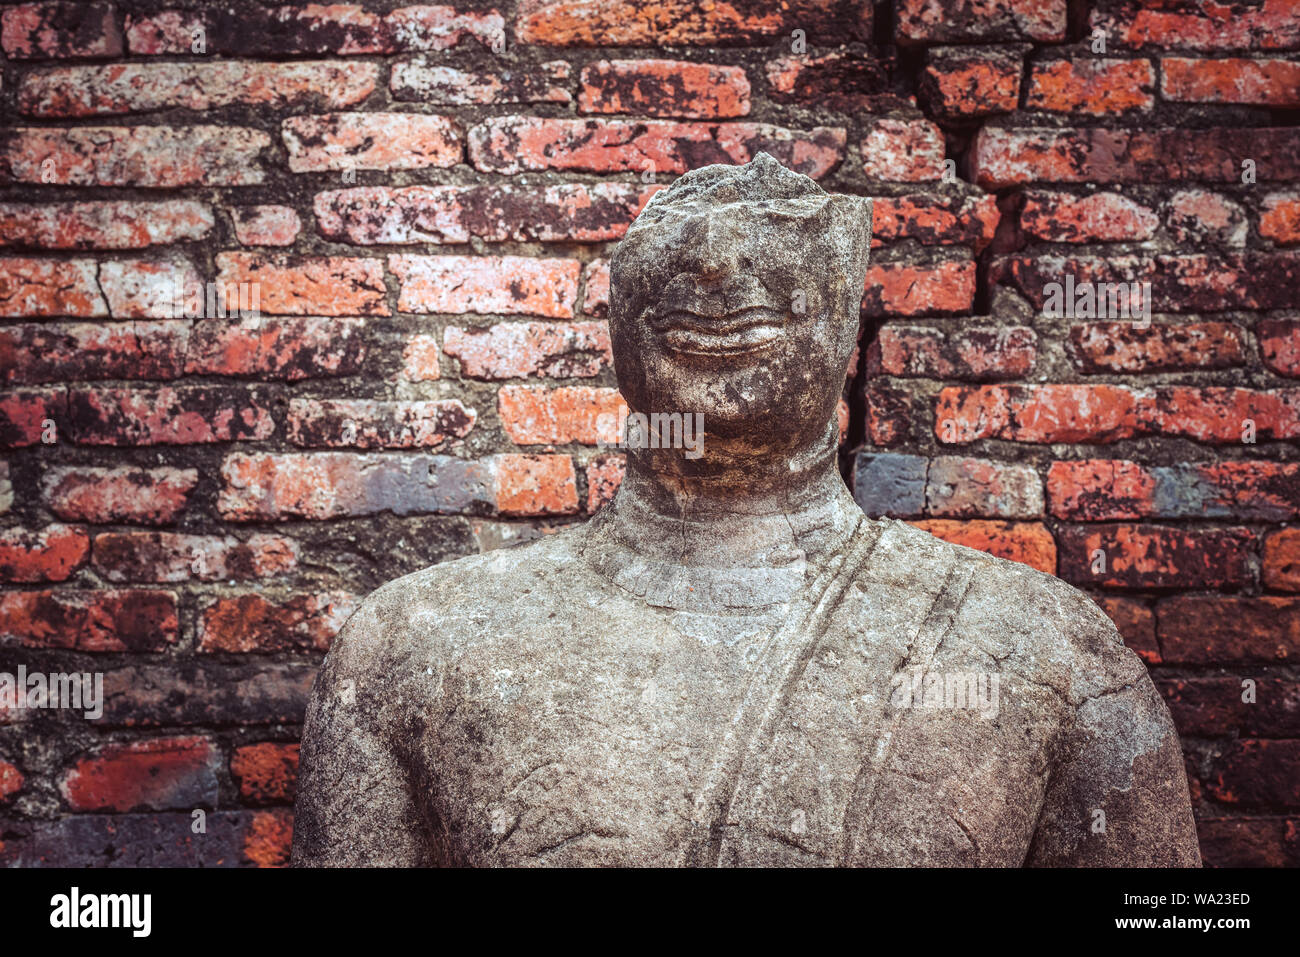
746	514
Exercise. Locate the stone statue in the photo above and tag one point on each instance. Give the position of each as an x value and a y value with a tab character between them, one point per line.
730	664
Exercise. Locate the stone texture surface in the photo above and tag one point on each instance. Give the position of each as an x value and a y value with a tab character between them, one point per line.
708	672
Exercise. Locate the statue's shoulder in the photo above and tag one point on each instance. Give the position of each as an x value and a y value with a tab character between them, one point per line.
1037	623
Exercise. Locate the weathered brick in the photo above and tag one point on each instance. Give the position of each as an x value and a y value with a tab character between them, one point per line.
585	212
49	287
1155	556
1205	707
166	415
124	494
595	287
289	348
500	285
1009	157
266	772
144	156
320	285
11	781
934	219
994	352
171	557
670	88
382	141
513	144
843	80
900	150
155	774
583	414
168	31
1225	629
1136	623
426	81
64	352
421	358
604	476
1029	543
1198	216
253	623
659	23
1281	566
155	289
517	350
1257	773
1091	85
29	416
141	87
889	414
1096	217
6	489
1268	25
1116	489
968	82
937	21
201	690
958	487
1231	80
266	225
890	484
60	31
1247	841
1126	347
105	620
1279	218
904	289
536	485
49	554
374	424
1101	489
128	224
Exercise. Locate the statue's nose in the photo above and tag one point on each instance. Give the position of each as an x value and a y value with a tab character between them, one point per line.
713	246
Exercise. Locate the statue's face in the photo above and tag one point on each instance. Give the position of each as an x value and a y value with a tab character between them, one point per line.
743	310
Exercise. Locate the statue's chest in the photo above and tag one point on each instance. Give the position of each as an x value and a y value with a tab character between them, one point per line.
669	749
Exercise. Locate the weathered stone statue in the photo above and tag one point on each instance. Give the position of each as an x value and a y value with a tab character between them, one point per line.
730	664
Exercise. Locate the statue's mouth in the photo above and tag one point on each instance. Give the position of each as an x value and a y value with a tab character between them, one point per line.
735	333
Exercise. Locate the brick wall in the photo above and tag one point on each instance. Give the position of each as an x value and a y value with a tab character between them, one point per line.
424	199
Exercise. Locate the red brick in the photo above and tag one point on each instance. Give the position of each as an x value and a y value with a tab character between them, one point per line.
513	144
373	424
958	487
1136	624
49	287
517	350
1268	25
660	23
604	475
60	31
1097	489
1218	414
290	348
157	774
1008	157
321	285
559	416
993	352
11	781
266	225
267	772
154	289
536	485
1231	80
934	219
585	212
169	557
899	150
269	839
98	621
903	289
1279	218
1092	86
142	87
1221	629
704	91
1198	216
6	489
49	554
1156	556
29	416
1245	841
427	82
1126	347
169	31
144	156
1029	543
1257	773
253	623
166	416
595	285
1281	569
940	21
889	414
125	494
500	285
844	80
1096	217
382	141
103	225
1205	707
966	83
421	358
64	352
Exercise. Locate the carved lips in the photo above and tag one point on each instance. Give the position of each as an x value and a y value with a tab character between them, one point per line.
735	333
